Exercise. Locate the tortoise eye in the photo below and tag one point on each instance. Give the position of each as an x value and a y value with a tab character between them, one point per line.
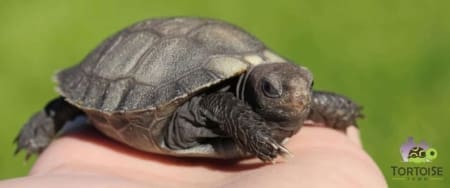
270	90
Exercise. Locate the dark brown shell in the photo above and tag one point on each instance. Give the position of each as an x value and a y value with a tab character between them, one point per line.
155	62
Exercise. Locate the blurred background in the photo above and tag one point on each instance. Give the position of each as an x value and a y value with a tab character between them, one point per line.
392	56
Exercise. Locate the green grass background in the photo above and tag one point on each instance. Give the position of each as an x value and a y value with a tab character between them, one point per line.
392	56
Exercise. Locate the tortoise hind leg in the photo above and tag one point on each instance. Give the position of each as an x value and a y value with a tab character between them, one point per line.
333	110
43	126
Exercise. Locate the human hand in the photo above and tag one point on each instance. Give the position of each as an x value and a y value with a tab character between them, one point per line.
323	158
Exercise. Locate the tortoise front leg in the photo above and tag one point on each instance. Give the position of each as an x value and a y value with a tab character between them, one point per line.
333	110
42	127
247	129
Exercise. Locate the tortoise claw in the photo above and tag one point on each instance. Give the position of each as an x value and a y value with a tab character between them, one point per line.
267	149
284	152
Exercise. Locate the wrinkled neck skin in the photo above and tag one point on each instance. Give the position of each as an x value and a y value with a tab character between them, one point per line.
241	86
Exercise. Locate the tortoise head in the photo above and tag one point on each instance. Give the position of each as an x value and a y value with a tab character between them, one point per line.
281	93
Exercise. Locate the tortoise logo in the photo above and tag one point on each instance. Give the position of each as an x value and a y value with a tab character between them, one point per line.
417	153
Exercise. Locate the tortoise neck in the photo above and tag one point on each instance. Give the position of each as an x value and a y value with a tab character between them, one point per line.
242	84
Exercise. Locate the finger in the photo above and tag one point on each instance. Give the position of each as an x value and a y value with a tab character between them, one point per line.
353	135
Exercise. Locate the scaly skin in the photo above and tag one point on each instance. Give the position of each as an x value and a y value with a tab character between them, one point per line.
245	127
40	130
333	110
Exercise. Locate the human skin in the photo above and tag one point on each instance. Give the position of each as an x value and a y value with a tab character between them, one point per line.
322	158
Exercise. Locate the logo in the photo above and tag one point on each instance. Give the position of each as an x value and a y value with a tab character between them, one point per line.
416	163
417	153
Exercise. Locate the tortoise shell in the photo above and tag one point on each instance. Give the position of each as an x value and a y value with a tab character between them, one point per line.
154	62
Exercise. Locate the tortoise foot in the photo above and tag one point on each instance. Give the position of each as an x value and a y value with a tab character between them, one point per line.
36	135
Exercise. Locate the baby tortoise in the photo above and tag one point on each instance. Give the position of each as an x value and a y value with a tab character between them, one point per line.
188	87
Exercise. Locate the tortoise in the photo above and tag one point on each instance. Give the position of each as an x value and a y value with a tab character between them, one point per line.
420	155
188	87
